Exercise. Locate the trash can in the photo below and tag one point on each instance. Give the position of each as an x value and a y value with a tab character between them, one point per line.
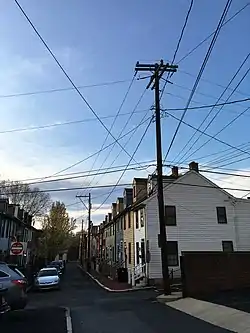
122	275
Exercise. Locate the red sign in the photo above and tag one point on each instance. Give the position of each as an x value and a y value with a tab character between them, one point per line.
16	248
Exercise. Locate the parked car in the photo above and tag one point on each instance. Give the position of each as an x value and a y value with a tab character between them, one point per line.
16	295
4	307
57	265
47	278
15	268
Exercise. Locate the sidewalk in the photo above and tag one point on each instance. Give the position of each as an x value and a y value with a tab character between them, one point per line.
219	315
107	283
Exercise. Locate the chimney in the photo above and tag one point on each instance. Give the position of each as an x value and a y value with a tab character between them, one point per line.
194	166
114	209
110	217
119	205
140	187
175	171
128	197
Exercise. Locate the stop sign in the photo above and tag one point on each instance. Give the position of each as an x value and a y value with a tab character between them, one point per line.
16	248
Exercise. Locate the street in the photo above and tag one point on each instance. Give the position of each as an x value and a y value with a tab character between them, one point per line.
96	310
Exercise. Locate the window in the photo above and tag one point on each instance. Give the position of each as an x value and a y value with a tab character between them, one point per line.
221	214
136	219
3	274
137	253
113	253
142	217
173	256
113	229
124	223
129	253
170	215
134	192
129	220
227	246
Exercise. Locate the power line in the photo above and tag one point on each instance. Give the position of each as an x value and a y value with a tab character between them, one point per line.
212	108
220	131
87	158
147	162
119	135
207	56
210	35
113	123
68	77
32	128
141	168
208	105
208	135
48	91
178	43
122	174
70	189
130	137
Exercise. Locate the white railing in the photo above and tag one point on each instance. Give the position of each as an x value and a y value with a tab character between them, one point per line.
136	273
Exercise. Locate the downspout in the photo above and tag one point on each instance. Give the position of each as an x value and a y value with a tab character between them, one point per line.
236	227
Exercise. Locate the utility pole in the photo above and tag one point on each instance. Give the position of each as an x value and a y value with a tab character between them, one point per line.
81	253
158	70
89	232
89	224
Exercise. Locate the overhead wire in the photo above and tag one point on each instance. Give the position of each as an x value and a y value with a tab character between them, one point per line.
178	43
113	122
122	174
220	131
208	135
32	128
88	157
202	68
212	108
104	172
49	91
123	129
210	35
67	75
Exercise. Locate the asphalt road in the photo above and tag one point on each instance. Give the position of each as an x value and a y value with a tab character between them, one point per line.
94	310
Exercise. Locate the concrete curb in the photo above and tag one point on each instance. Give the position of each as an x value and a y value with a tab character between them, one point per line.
113	290
68	320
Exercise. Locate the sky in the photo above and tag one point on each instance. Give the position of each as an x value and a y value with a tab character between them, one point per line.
100	42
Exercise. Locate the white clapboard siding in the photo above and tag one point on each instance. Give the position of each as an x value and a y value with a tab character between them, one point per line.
242	222
197	227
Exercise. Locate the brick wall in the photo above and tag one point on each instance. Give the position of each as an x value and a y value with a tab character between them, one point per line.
210	272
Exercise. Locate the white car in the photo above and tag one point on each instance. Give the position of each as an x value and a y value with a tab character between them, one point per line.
47	278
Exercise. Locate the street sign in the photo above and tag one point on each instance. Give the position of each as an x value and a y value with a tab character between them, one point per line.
16	249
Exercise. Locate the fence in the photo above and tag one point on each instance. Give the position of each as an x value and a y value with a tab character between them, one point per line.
210	272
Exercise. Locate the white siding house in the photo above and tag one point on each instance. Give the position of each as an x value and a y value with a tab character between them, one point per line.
199	216
140	236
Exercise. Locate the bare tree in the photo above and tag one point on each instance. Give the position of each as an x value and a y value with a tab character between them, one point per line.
30	199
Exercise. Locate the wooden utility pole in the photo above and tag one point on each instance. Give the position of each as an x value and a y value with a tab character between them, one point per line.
158	70
89	224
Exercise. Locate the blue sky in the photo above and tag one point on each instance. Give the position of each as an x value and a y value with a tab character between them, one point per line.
98	42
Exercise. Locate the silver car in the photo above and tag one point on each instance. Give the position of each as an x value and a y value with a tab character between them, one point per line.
15	284
47	278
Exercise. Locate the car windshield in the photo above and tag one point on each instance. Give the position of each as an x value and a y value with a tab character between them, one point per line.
47	272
